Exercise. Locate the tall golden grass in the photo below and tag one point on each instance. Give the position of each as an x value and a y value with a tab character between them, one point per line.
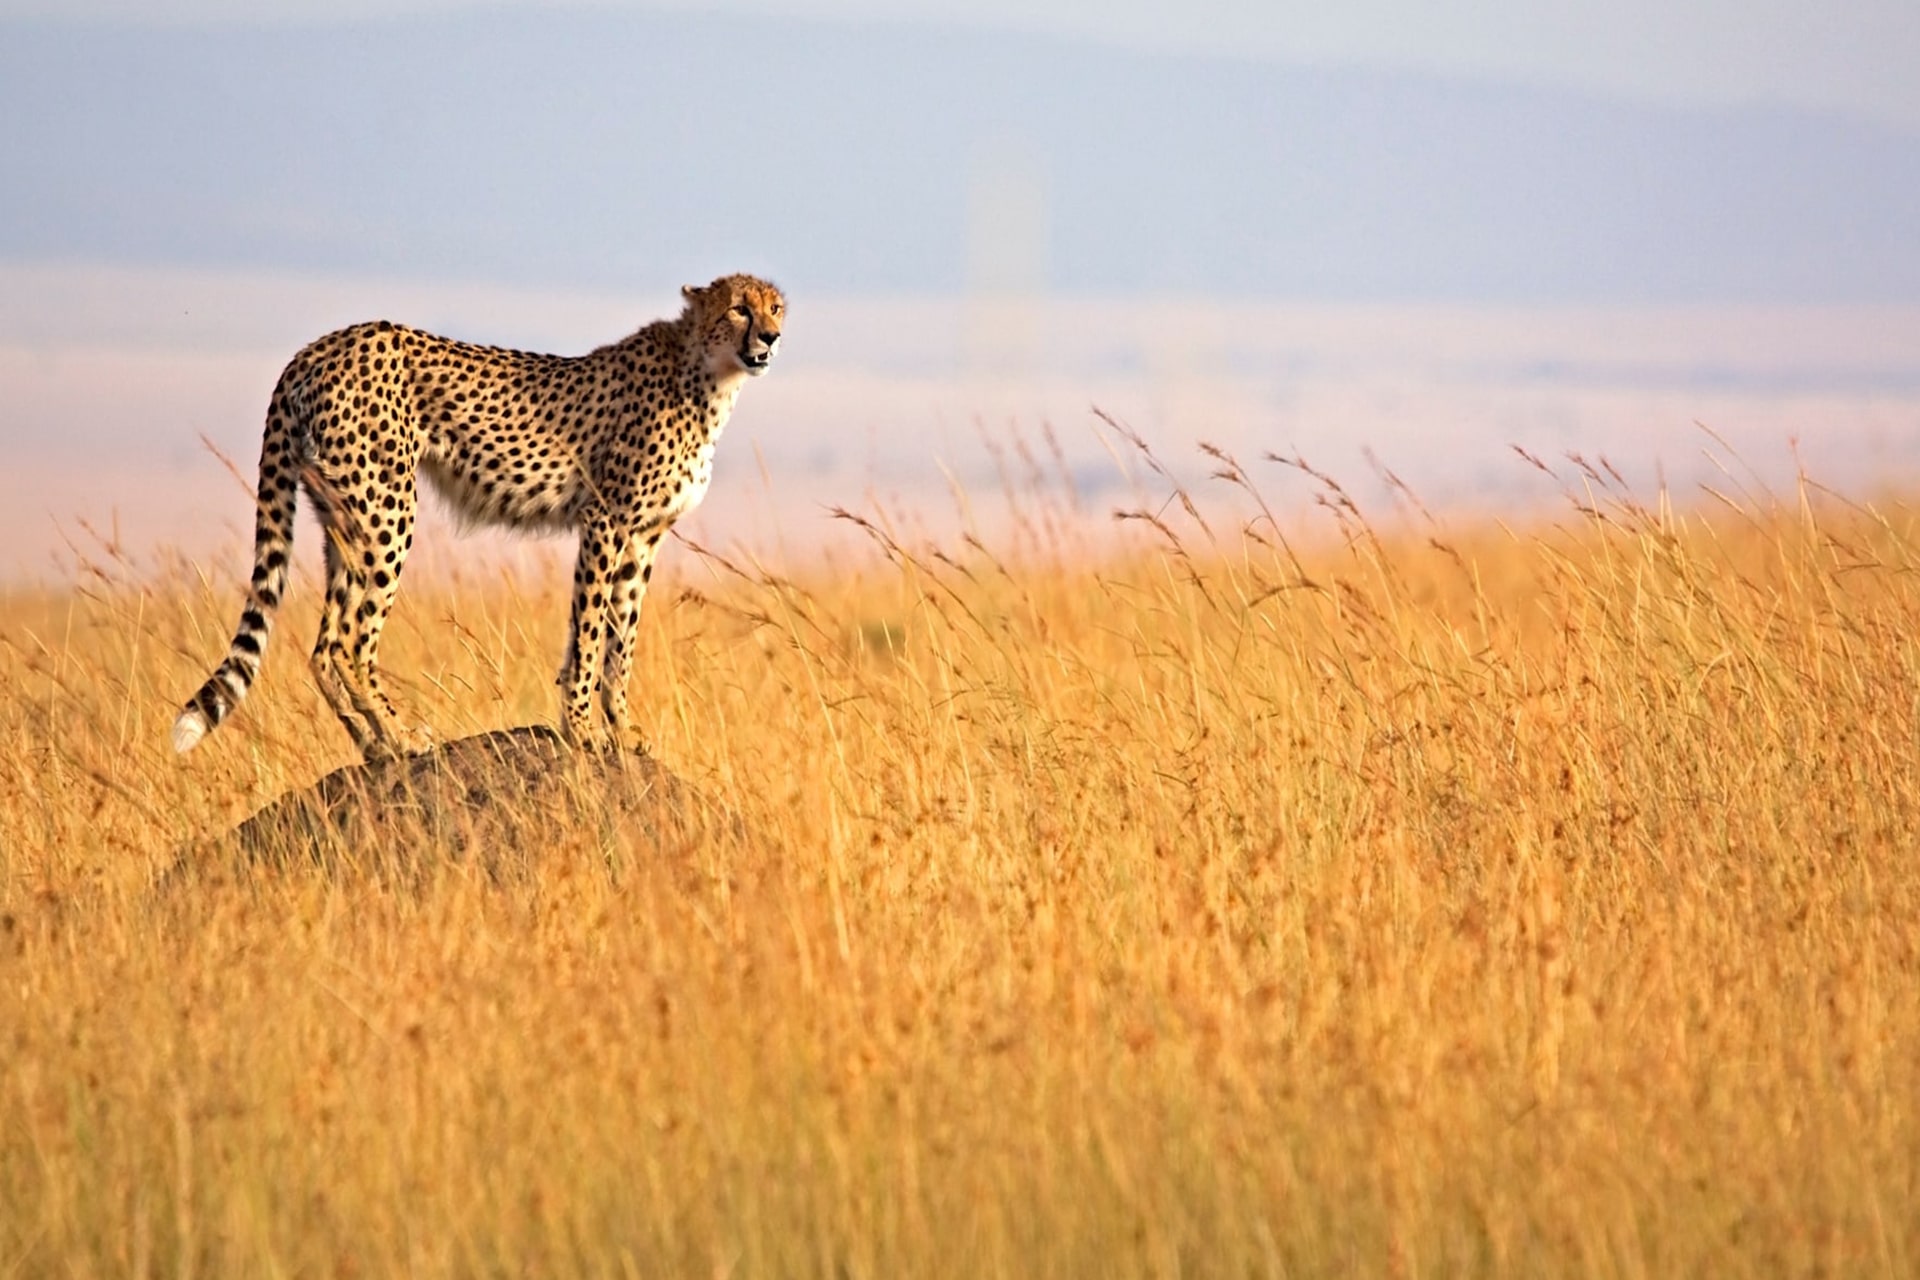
1394	899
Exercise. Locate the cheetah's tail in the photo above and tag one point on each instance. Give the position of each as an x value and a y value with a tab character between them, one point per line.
275	502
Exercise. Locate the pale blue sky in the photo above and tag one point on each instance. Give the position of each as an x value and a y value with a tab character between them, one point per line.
1381	149
1856	56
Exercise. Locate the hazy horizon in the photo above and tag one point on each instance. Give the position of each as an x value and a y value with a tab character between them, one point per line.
894	402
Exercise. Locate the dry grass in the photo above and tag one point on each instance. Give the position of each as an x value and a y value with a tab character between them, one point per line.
1415	903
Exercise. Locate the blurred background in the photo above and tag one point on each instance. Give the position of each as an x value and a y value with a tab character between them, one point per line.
1425	231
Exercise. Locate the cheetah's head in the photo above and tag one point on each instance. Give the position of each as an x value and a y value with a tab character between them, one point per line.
737	320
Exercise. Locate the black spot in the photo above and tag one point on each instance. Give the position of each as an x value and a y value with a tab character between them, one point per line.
210	703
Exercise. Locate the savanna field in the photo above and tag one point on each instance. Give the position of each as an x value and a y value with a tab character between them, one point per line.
1298	893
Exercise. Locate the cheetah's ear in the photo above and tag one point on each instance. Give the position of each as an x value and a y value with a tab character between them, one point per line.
690	291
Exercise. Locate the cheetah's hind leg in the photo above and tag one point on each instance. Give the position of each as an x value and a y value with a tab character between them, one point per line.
346	652
330	669
389	537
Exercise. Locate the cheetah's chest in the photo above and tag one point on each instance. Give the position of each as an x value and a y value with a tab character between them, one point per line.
689	483
687	472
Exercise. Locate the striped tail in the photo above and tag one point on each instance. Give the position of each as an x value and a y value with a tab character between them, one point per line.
275	503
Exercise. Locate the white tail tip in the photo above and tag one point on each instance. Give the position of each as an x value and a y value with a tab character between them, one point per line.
188	730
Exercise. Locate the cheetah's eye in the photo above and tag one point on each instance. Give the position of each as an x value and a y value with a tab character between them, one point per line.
742	312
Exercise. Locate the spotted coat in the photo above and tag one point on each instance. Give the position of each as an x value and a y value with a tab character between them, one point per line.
616	444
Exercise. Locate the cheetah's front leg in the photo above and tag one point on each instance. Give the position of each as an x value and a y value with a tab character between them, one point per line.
628	590
592	578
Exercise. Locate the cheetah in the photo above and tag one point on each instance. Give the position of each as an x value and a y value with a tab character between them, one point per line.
616	444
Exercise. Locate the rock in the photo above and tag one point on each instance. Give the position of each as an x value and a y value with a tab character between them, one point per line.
499	800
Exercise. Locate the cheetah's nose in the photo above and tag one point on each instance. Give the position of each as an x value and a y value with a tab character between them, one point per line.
769	338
